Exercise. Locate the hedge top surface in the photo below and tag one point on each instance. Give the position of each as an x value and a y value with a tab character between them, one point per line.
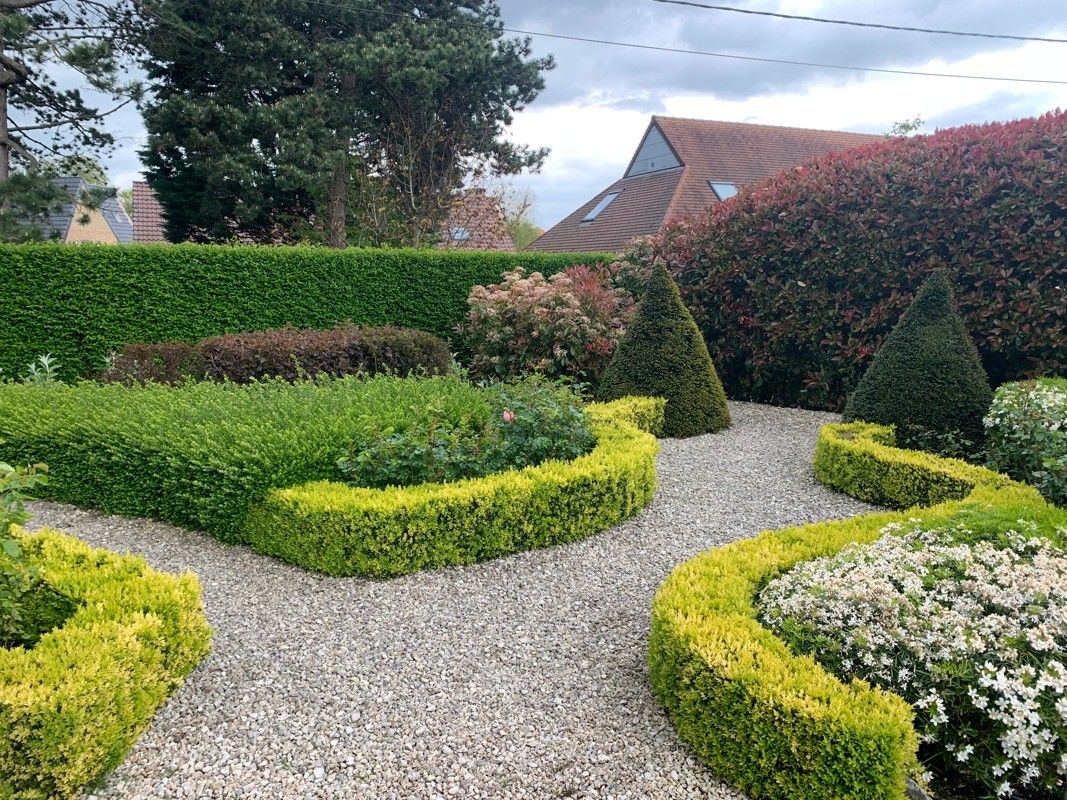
81	302
778	725
927	374
663	354
73	704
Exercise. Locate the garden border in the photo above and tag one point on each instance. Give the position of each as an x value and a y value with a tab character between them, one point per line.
72	705
771	723
341	530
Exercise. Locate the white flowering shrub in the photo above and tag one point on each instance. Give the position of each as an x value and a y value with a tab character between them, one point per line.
1026	435
969	628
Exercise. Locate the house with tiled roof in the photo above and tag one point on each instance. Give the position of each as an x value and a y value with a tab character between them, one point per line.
148	220
476	222
102	221
681	167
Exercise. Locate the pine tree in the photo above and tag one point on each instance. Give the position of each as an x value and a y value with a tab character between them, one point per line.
927	376
663	354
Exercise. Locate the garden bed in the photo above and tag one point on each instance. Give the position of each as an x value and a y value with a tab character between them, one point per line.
775	724
259	464
72	705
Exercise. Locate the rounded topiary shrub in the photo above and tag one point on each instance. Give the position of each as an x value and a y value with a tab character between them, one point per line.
927	376
797	280
664	355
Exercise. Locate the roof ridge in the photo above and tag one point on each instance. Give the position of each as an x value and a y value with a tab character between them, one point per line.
764	125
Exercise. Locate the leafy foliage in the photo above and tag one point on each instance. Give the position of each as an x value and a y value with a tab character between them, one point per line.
202	454
771	723
81	303
566	325
287	353
1026	435
967	625
522	425
798	280
335	114
342	530
28	606
73	705
927	375
664	355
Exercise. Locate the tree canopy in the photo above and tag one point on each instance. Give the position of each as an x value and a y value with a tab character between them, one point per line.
341	121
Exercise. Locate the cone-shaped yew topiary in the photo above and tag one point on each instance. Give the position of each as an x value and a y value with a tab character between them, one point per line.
927	375
664	355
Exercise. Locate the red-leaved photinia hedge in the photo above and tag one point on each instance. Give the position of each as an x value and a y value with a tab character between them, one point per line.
797	280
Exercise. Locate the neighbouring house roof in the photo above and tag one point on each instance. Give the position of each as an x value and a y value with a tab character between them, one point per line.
476	222
148	221
671	172
109	223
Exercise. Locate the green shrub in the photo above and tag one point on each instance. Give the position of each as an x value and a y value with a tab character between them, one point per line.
927	376
341	530
286	353
202	454
775	724
523	424
664	355
73	705
1026	435
81	303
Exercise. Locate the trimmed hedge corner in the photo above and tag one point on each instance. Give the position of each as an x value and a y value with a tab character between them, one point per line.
340	530
73	705
773	724
80	303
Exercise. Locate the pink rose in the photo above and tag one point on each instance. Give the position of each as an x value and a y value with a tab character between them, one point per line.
509	416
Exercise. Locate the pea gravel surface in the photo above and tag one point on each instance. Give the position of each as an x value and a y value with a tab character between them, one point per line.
523	677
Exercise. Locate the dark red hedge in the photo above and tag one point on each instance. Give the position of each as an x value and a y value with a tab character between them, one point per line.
288	353
797	280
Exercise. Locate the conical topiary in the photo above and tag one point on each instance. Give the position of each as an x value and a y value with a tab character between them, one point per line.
664	355
927	375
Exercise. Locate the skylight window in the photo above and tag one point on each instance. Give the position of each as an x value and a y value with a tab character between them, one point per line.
605	201
723	190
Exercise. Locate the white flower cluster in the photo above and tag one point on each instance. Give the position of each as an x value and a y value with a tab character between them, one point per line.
971	630
1046	401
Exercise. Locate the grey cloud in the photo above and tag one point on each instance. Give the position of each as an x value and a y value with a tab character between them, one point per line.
586	67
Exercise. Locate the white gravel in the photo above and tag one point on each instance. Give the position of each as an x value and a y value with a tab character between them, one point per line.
523	677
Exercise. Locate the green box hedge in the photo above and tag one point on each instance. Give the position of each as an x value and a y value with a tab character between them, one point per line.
73	704
201	455
334	528
81	302
773	724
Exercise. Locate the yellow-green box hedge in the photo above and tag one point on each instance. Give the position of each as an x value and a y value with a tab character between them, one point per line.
340	530
771	723
73	704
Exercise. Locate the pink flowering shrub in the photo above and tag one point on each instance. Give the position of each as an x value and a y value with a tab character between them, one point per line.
563	326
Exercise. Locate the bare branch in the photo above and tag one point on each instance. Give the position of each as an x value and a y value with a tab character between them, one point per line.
70	120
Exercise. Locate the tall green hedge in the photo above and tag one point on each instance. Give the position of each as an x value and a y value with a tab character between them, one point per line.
81	302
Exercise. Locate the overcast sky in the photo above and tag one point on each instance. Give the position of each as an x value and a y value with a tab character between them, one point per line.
598	100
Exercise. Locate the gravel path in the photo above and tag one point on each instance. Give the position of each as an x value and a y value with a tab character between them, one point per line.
523	677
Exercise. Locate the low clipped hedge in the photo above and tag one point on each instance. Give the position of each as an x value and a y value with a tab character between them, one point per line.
288	353
80	303
341	530
777	725
73	704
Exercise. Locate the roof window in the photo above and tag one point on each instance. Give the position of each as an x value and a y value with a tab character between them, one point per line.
723	190
605	201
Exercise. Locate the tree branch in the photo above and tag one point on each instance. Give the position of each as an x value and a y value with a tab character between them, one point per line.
69	120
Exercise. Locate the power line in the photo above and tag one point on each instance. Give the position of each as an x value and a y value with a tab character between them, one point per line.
943	32
707	53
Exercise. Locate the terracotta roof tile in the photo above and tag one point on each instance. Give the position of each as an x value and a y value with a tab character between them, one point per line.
709	150
148	221
476	222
